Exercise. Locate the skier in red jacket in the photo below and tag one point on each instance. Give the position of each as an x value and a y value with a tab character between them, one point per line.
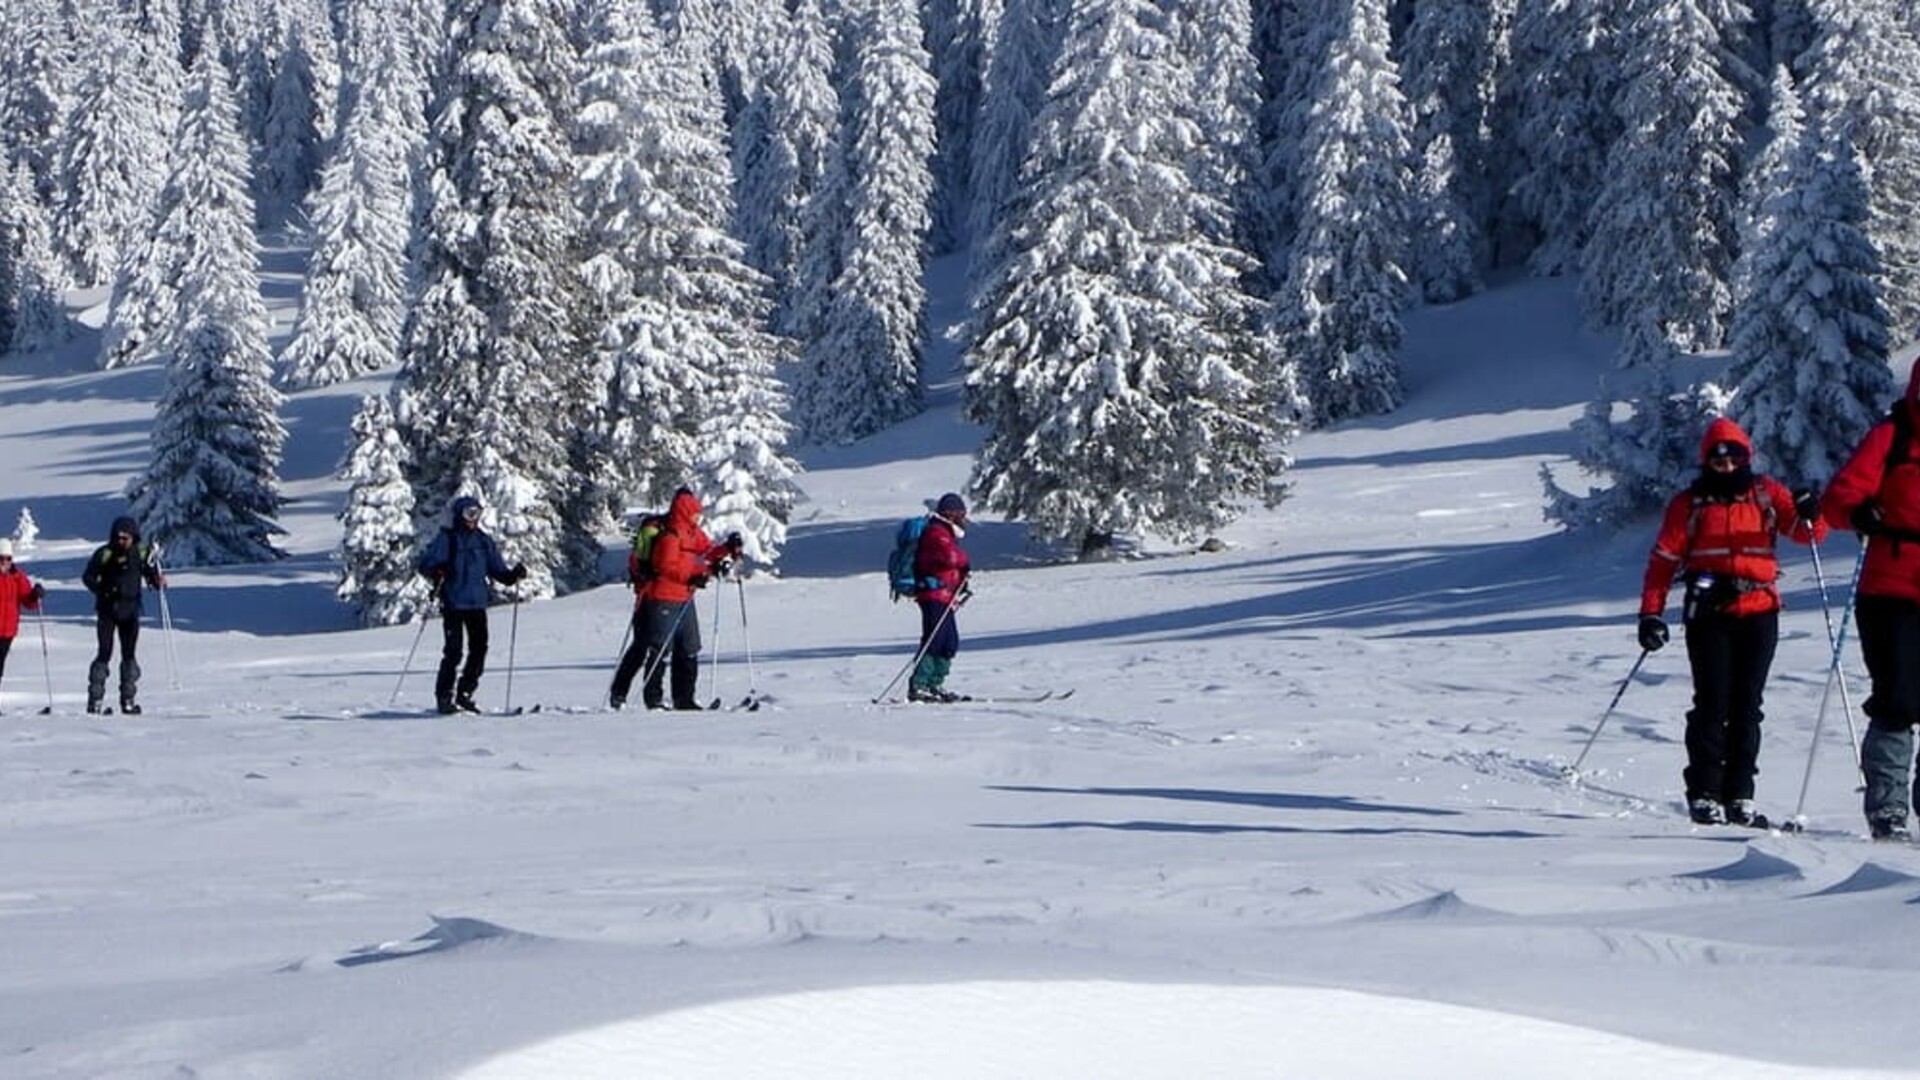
666	629
1877	494
1718	537
17	591
942	569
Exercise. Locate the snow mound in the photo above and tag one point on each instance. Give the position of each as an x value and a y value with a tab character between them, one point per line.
1755	865
450	933
1445	905
1111	1030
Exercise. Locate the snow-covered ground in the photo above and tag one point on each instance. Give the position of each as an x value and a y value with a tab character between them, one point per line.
1303	815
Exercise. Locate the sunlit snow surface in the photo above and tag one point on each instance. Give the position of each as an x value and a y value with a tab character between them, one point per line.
1110	1031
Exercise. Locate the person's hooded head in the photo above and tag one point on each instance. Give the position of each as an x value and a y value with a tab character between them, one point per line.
466	512
124	526
1726	459
684	510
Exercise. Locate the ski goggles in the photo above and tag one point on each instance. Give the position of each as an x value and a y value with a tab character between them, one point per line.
471	515
1733	452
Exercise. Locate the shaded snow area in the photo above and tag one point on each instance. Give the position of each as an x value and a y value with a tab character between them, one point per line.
1305	813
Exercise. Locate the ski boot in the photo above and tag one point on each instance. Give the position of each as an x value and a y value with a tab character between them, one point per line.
465	703
1741	812
445	706
1888	828
1705	811
129	707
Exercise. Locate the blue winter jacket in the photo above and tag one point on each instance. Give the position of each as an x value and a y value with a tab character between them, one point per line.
463	559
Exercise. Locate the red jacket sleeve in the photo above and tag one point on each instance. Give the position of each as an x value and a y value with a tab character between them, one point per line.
1787	519
1669	551
1859	479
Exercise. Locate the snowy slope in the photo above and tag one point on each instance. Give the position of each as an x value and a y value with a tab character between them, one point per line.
1302	816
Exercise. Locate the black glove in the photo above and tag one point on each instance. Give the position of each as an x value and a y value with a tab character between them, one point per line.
697	581
37	591
723	567
517	574
1867	517
1653	632
1806	503
734	542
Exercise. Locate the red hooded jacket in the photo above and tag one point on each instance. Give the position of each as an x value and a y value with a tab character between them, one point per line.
1893	562
16	592
939	557
681	553
1727	539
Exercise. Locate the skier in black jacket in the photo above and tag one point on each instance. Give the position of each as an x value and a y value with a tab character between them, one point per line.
114	576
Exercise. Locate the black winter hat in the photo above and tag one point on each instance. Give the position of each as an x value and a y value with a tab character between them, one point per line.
951	506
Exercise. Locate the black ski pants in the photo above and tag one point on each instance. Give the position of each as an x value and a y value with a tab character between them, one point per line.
1730	656
470	625
1890	643
666	638
6	646
106	628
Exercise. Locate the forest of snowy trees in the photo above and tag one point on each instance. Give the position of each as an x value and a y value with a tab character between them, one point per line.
609	247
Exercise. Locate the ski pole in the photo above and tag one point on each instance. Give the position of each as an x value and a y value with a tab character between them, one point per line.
513	641
1573	771
46	661
425	618
752	700
924	645
166	624
1826	694
713	665
1826	613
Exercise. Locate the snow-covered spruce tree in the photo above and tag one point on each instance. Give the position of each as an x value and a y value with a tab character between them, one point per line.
957	37
787	163
861	369
1112	358
1663	231
1566	82
1860	82
290	139
692	397
378	549
1216	39
25	531
1809	341
1652	452
36	77
211	490
1019	66
31	314
355	294
114	158
1338	308
1291	38
1451	57
495	383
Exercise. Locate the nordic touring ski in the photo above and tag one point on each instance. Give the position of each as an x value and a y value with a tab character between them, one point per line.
997	699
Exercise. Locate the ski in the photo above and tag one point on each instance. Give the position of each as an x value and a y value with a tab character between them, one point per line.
998	699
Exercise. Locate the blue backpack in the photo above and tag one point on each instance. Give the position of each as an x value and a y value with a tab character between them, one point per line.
901	580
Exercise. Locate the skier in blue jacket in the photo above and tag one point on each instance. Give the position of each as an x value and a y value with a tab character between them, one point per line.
460	561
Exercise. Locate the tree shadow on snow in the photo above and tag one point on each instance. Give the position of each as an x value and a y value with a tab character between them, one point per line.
1263	800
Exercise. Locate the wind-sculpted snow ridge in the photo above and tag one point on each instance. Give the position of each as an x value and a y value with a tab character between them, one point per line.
1870	877
1443	905
449	933
1753	865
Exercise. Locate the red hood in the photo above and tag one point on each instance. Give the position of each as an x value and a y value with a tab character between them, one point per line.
684	510
1723	430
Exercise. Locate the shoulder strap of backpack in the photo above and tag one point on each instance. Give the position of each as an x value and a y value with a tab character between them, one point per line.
1902	444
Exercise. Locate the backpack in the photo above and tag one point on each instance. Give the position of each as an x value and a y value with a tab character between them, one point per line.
901	580
640	562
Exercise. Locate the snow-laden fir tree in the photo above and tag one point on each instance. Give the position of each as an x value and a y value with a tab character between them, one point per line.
958	33
1663	232
290	139
211	489
378	548
36	77
861	361
31	313
25	531
1112	358
797	115
114	157
1216	39
1650	453
1291	39
1566	76
1025	45
1451	58
691	398
1808	340
1338	307
355	295
1860	81
495	383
